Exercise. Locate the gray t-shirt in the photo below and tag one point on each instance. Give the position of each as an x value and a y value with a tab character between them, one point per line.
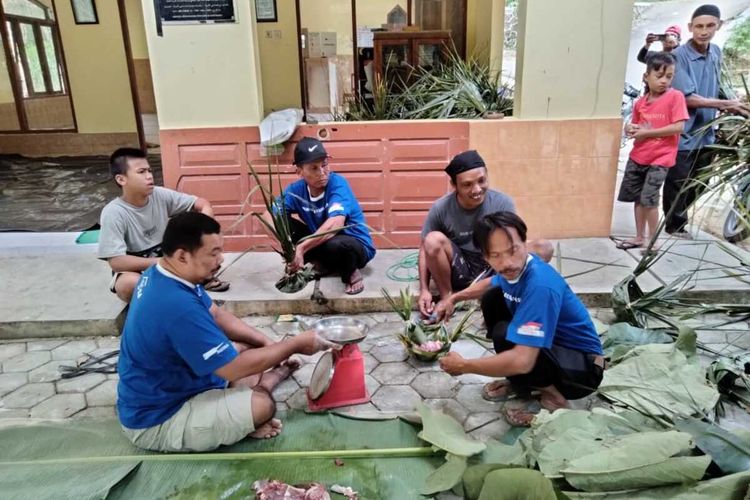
129	230
457	223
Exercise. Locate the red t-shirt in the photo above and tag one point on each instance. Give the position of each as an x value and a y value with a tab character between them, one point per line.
667	109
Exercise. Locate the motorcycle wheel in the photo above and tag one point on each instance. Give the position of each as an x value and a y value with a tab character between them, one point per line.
736	224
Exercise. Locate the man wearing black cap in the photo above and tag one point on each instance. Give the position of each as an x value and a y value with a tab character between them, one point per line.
447	253
697	76
324	202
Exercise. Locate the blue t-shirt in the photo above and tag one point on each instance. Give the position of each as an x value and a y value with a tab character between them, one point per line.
697	73
169	349
546	311
338	199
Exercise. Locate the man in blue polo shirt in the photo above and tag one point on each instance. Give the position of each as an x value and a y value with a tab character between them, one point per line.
324	202
193	376
697	75
543	335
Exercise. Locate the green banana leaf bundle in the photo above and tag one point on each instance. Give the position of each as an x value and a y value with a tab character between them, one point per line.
426	342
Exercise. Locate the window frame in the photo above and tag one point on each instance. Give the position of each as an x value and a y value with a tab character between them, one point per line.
14	23
14	77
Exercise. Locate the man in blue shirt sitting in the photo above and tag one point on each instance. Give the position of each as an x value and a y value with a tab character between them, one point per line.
324	202
543	335
193	376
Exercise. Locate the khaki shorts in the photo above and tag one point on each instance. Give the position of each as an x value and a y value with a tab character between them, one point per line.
642	183
206	421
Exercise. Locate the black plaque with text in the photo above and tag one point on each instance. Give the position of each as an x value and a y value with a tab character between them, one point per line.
196	11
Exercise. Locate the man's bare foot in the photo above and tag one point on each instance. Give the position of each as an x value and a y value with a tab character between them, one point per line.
270	379
552	399
356	283
498	390
270	429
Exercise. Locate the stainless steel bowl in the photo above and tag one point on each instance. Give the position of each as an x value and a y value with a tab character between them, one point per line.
341	329
321	376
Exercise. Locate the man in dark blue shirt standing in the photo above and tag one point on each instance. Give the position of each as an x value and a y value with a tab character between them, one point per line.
543	335
698	76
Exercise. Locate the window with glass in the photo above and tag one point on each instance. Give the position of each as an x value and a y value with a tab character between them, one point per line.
33	69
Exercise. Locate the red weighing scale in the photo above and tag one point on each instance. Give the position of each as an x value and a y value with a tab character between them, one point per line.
339	376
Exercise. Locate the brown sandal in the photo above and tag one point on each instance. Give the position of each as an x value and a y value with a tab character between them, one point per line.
490	389
521	415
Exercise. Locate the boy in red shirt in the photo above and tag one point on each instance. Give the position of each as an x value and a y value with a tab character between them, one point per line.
658	120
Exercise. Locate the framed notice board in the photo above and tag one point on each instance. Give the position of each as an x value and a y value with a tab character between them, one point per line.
196	11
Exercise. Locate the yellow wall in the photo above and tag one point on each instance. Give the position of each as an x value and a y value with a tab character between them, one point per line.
97	70
206	75
374	13
279	61
336	15
6	89
329	15
571	57
137	29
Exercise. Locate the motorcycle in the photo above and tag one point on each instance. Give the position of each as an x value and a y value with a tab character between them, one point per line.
736	225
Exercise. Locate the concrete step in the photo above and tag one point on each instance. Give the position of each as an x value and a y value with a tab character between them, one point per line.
53	291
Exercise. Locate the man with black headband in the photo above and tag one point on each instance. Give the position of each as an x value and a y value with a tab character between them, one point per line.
698	77
447	253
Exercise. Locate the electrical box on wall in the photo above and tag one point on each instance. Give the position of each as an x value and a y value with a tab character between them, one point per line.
320	44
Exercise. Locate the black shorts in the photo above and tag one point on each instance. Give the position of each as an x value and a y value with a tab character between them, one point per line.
466	268
641	184
574	373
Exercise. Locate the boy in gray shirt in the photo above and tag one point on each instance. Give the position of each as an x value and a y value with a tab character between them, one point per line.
447	253
132	226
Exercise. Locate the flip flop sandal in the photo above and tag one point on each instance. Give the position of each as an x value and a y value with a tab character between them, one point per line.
354	283
216	286
509	392
628	245
521	415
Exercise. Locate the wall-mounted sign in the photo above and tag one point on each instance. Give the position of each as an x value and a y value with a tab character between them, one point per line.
84	12
196	11
265	11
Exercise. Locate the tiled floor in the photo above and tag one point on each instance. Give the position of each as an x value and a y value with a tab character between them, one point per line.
31	387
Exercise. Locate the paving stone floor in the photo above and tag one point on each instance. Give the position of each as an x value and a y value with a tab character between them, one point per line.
31	386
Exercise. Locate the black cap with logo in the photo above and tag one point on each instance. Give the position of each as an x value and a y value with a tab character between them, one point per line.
308	150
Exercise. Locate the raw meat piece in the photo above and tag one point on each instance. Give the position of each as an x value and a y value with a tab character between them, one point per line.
276	490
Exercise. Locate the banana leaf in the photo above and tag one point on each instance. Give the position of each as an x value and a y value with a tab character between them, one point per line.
731	377
730	451
446	476
566	435
480	481
501	453
444	432
517	484
623	334
661	381
79	481
732	487
639	460
296	281
383	459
